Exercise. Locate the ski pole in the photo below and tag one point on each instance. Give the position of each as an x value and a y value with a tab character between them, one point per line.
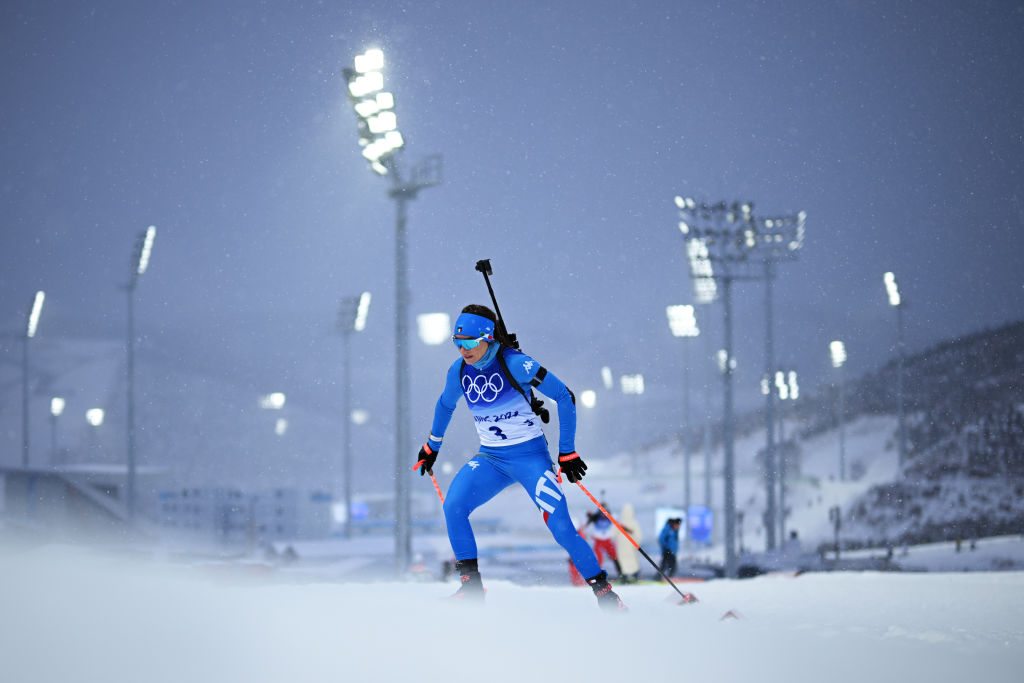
433	479
687	597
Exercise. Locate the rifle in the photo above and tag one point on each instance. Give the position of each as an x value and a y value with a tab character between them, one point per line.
484	266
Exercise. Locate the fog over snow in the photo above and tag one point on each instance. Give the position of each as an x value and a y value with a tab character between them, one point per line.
77	615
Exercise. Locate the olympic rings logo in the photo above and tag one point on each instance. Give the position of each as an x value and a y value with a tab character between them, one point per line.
481	388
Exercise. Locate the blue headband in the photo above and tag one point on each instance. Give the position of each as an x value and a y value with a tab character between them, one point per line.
475	326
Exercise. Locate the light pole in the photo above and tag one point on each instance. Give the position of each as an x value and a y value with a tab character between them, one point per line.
778	240
95	416
56	408
632	385
351	318
140	261
587	418
789	389
31	326
707	359
719	239
896	302
683	323
276	401
381	141
837	351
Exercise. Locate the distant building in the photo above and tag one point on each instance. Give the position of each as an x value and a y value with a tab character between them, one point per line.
221	514
228	515
287	513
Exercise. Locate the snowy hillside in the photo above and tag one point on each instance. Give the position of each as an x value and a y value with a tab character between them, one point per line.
964	476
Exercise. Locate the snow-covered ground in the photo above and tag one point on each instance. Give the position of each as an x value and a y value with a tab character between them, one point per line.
76	614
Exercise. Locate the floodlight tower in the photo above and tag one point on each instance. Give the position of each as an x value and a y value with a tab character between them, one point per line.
351	318
140	261
837	351
683	323
705	292
381	141
719	241
778	240
893	290
31	325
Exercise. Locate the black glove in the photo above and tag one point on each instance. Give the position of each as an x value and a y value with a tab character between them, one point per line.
426	460
573	466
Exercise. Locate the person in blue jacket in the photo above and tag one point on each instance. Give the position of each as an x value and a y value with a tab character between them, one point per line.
497	382
668	541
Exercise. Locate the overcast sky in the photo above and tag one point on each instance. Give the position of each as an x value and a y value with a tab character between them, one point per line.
566	130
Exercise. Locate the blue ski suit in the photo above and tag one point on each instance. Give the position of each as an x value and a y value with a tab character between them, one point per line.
513	448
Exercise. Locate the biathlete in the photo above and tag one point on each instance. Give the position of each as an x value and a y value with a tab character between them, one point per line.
496	379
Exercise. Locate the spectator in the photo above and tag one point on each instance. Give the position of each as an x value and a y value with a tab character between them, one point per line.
602	534
668	540
629	558
792	545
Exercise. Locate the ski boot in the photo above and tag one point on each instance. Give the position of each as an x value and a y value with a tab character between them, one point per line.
472	588
606	597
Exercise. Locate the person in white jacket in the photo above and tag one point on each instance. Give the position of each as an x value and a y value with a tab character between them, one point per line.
629	558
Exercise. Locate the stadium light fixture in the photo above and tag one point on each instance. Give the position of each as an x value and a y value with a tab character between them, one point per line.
837	353
273	401
35	312
632	384
682	321
891	289
434	328
362	312
588	397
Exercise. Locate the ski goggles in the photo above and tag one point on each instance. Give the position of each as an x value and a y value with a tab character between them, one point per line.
471	343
